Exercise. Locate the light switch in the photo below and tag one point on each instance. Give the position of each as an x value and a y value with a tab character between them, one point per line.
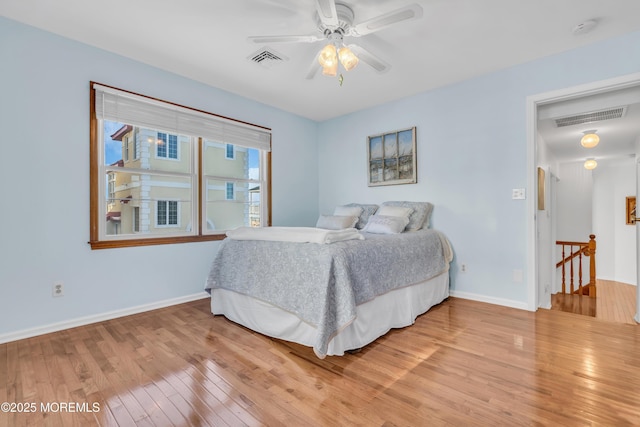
518	194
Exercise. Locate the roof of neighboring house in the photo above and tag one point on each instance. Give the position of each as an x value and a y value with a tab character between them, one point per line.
117	136
119	163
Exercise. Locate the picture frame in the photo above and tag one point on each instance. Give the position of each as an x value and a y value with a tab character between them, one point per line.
631	210
391	158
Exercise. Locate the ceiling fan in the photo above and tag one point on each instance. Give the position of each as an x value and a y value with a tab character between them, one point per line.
335	22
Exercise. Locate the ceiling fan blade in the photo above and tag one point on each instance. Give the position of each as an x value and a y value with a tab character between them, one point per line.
327	12
407	13
313	68
284	39
375	62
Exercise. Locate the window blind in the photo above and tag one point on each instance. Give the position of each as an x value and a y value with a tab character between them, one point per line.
129	108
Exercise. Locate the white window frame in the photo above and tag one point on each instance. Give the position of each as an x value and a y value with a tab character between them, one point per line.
167	202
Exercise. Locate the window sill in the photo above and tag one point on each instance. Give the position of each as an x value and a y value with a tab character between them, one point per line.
110	244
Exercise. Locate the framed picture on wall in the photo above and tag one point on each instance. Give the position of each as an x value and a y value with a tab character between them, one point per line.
541	189
392	158
631	210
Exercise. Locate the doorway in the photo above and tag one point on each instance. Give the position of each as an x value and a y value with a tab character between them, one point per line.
539	294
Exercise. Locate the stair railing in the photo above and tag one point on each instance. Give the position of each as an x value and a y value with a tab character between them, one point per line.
571	250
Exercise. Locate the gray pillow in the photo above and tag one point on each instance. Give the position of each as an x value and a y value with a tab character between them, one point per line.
383	224
421	213
367	211
336	222
348	210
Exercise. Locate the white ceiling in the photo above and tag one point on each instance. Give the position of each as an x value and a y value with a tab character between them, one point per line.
206	40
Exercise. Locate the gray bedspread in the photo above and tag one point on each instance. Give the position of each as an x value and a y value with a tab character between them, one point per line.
323	284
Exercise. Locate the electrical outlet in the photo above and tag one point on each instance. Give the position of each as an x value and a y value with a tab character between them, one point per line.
463	268
58	288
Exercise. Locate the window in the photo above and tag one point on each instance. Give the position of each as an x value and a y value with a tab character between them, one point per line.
167	146
230	152
134	147
125	149
166	213
155	201
230	191
136	219
111	180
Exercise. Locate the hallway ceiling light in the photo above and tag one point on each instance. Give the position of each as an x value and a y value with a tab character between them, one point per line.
590	164
590	139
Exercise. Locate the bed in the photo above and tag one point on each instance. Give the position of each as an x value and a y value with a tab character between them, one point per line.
332	290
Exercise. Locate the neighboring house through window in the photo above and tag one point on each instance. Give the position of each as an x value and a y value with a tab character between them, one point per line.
134	147
230	191
136	219
167	146
125	149
167	213
111	184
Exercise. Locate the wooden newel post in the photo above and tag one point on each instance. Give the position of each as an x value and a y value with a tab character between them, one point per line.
592	265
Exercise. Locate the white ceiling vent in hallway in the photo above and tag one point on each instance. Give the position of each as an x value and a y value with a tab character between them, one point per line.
267	57
595	116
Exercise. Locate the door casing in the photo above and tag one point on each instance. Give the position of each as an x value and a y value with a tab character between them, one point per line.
533	102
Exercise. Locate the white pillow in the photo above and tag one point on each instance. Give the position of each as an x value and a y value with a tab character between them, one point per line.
336	222
383	224
394	211
347	211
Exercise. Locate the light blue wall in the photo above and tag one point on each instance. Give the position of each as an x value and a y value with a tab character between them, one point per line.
44	182
471	154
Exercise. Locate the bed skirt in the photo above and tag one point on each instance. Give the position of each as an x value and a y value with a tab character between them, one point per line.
395	309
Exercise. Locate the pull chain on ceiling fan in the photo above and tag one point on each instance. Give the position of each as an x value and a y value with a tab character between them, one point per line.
335	22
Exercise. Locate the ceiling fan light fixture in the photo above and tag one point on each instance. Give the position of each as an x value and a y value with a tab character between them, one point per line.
590	164
328	57
590	139
348	59
331	70
335	21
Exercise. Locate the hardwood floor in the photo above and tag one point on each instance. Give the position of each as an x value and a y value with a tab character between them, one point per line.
616	302
571	303
463	363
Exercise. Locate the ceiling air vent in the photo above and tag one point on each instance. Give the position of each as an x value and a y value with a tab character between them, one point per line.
267	57
595	116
